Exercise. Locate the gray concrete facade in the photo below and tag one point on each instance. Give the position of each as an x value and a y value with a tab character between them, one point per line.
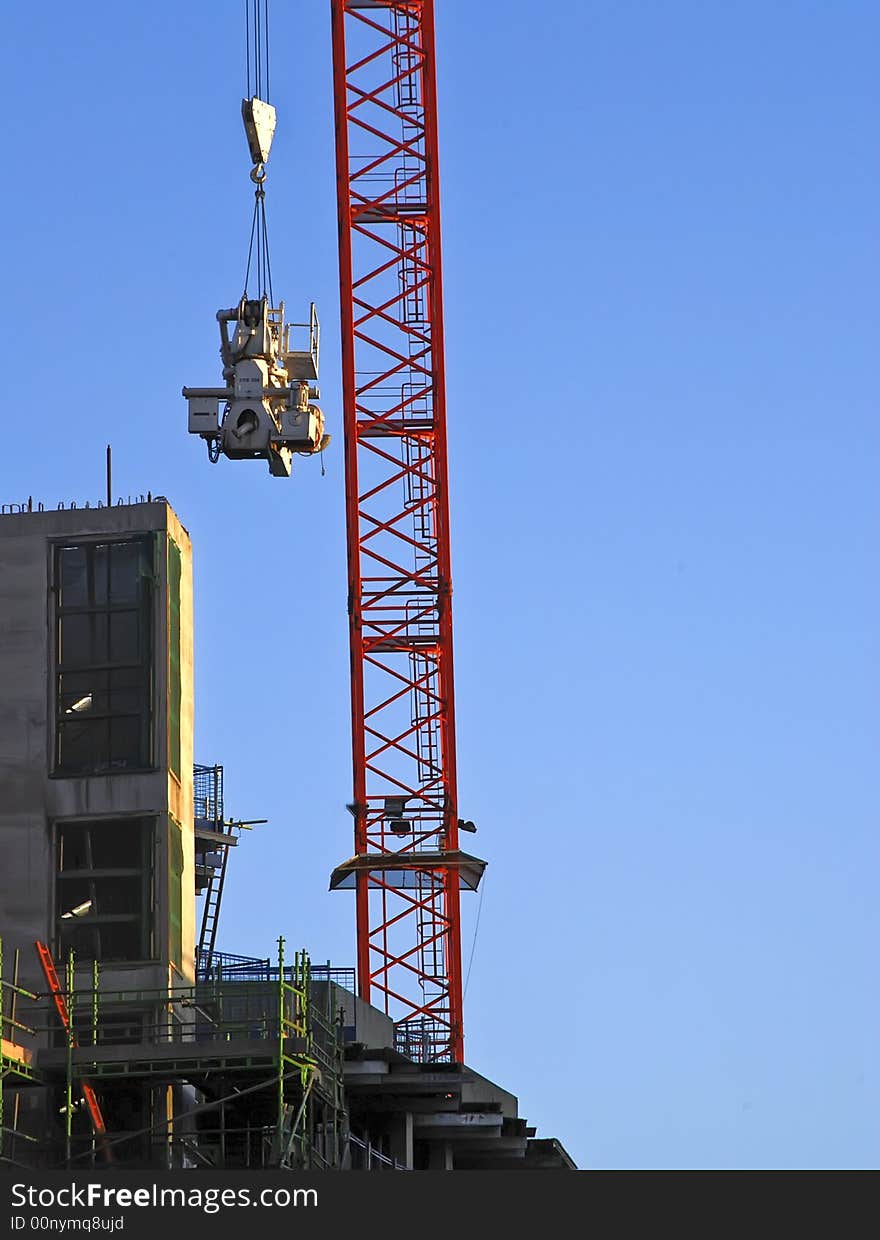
34	797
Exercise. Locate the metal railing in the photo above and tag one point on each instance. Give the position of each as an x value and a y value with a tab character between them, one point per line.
227	967
365	1157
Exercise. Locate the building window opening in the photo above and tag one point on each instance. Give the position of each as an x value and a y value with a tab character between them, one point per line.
102	889
103	656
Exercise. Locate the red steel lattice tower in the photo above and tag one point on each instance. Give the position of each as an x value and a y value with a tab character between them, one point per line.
407	870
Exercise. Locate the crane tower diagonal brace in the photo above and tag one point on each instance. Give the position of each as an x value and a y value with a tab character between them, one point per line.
400	591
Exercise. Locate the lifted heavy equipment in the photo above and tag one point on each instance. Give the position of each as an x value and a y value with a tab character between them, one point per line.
269	384
266	413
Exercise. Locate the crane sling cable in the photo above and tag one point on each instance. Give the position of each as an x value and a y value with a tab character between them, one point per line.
57	992
259	122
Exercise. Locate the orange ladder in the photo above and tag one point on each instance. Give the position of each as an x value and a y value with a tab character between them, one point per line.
55	989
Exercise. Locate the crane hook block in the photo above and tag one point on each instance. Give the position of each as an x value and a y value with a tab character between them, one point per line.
259	127
270	371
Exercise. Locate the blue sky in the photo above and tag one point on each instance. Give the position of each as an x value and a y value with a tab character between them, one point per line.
661	270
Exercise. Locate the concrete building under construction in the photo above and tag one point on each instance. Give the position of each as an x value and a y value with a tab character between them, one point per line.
128	1038
130	1035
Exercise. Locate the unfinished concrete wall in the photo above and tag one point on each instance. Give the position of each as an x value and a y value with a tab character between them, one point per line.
360	1021
33	797
180	789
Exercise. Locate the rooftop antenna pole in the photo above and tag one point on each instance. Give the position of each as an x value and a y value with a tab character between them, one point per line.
109	476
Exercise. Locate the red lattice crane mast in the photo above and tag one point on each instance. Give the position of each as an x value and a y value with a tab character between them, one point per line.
407	869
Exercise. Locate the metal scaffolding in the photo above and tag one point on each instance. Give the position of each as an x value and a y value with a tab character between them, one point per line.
224	1073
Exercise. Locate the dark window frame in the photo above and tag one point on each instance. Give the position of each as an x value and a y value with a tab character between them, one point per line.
124	685
97	878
